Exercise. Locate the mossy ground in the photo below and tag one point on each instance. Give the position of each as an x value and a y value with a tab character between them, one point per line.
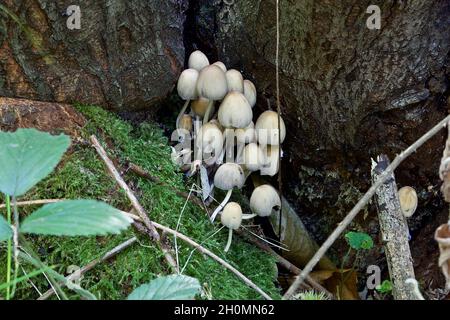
82	174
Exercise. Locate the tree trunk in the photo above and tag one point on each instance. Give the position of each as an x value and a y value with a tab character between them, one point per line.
126	55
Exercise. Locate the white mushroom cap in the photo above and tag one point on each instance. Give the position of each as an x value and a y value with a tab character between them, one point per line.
231	216
199	106
228	176
250	92
272	163
264	199
254	157
217	124
221	65
198	60
187	84
234	111
408	201
247	134
212	83
267	128
210	140
235	81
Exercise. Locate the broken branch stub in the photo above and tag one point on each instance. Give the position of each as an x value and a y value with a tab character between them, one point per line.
394	231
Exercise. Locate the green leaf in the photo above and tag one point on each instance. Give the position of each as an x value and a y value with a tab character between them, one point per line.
173	287
27	156
5	229
359	240
76	218
384	287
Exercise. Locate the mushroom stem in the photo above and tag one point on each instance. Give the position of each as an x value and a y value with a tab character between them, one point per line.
208	112
221	205
230	237
248	216
180	115
240	148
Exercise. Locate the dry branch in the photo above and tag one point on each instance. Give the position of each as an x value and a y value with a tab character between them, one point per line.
394	231
151	231
34	202
205	251
360	205
91	265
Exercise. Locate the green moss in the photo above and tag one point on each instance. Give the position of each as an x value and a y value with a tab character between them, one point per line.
82	175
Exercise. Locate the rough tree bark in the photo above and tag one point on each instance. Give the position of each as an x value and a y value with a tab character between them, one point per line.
127	54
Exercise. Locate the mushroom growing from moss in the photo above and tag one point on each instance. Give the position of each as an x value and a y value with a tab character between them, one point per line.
408	201
198	60
267	129
264	200
212	85
231	218
227	177
187	90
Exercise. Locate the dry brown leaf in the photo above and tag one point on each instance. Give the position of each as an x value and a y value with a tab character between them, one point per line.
442	236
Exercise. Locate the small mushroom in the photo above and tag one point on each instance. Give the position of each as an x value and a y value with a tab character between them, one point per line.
244	136
212	85
199	106
267	128
221	65
234	111
408	201
198	60
227	177
181	158
264	200
209	141
186	123
231	218
272	161
235	81
187	90
250	92
253	157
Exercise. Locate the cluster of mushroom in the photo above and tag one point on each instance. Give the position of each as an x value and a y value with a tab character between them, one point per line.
228	140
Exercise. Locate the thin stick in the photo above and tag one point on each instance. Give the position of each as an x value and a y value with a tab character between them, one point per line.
33	202
114	251
154	235
309	283
360	205
205	251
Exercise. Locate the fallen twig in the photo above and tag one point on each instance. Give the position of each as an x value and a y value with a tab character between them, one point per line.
92	264
360	205
151	231
394	231
33	202
310	283
205	251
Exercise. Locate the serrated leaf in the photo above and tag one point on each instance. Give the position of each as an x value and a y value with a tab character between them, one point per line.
76	218
359	240
5	229
27	156
173	287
